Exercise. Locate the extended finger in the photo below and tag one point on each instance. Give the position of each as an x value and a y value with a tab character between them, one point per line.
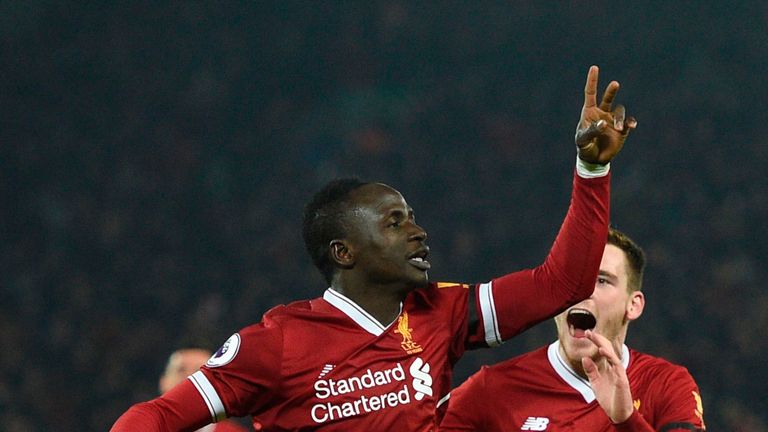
609	96
629	124
609	355
585	136
619	115
590	89
604	346
590	368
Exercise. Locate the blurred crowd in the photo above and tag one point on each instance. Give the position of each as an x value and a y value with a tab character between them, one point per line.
155	158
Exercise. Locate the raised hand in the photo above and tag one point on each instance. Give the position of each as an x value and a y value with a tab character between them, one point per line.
609	379
601	132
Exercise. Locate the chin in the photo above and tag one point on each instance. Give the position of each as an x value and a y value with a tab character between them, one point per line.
575	355
419	280
582	347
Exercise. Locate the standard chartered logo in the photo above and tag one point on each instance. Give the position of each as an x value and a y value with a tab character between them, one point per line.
422	380
342	397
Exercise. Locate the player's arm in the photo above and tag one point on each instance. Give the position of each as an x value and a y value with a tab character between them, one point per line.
465	411
239	379
182	408
681	408
512	303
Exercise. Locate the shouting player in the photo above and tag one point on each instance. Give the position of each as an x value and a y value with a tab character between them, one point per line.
587	380
376	351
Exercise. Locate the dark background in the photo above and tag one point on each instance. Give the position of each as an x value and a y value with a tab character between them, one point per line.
155	158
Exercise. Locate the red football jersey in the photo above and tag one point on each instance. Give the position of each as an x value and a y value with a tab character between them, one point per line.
327	365
539	391
316	364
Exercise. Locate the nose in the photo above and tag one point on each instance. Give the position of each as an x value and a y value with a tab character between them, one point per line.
418	233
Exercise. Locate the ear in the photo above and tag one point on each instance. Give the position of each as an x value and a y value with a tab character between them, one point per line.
341	254
635	305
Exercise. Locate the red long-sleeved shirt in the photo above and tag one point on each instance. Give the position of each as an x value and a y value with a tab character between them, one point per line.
326	365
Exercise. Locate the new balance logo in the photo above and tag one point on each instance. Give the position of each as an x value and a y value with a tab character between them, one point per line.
535	424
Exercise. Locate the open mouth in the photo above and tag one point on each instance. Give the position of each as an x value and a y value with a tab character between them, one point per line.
579	321
419	260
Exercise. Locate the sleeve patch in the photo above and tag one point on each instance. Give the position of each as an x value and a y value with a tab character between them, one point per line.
226	353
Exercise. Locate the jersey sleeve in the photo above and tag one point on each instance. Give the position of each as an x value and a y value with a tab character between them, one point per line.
238	380
681	408
674	403
464	412
181	408
635	423
510	304
244	374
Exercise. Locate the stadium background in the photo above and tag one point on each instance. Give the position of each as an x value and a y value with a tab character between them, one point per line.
155	157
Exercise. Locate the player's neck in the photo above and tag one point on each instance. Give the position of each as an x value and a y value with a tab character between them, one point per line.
380	302
385	311
575	363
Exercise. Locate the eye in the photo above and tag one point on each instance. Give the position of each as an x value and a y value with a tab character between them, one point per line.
394	224
602	280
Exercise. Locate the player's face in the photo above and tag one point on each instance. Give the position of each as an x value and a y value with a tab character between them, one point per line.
389	247
608	311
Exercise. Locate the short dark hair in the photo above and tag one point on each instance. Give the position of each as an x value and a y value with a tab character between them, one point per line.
635	257
324	218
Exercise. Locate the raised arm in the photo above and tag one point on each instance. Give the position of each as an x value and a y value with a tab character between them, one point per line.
512	303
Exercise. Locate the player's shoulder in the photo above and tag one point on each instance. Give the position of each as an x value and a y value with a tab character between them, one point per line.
278	316
655	367
514	369
298	306
291	310
439	294
436	290
639	358
442	289
449	285
520	362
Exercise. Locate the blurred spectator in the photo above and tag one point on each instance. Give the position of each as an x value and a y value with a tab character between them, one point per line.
183	363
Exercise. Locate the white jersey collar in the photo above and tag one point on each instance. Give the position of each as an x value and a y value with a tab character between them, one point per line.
566	372
356	313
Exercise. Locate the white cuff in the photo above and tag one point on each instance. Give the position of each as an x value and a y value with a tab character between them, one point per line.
590	170
488	310
210	397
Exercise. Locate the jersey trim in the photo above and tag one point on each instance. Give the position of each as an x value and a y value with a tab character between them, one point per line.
589	170
356	313
570	376
211	398
488	310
